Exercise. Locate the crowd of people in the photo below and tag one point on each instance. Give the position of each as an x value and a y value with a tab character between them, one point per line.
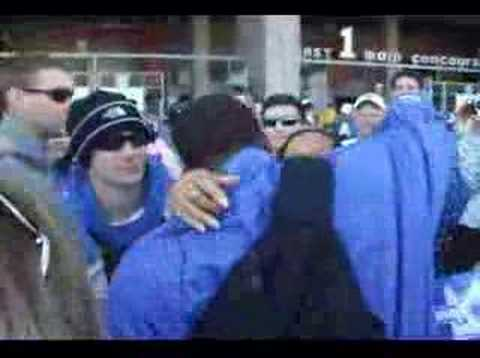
231	221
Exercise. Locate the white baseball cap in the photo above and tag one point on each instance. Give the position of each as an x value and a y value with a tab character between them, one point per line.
371	97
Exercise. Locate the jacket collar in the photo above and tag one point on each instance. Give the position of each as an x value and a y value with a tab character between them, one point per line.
17	138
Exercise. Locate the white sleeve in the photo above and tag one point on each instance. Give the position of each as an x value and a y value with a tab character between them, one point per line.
469	160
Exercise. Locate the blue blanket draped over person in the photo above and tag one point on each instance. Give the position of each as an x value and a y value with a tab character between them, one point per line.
166	278
391	192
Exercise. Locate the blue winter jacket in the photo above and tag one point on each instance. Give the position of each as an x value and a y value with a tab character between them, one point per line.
390	193
80	193
167	277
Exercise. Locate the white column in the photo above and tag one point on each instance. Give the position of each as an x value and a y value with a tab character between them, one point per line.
201	45
282	54
271	46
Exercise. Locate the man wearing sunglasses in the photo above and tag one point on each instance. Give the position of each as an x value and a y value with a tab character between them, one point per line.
393	194
120	190
282	114
34	99
41	103
35	96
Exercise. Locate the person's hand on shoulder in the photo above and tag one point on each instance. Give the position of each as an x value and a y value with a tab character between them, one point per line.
199	197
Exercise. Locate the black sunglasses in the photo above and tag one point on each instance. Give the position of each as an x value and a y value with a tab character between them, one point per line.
59	95
115	141
284	122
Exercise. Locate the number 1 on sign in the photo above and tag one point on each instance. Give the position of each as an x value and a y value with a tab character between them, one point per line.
347	52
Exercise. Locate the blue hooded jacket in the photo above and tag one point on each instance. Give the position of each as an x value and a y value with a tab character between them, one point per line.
390	195
166	278
80	193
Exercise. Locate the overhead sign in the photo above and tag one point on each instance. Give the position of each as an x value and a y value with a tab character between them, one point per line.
372	57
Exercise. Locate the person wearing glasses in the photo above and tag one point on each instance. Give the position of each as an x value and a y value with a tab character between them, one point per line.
42	110
118	187
390	197
282	114
45	291
35	97
248	279
118	190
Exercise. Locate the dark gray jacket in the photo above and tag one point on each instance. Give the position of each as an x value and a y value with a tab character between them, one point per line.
62	305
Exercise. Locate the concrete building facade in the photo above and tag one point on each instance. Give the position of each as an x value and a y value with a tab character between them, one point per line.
331	59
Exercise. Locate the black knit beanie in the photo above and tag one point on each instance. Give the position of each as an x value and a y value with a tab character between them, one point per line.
95	116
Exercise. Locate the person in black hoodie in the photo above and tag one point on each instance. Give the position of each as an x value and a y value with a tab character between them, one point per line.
296	282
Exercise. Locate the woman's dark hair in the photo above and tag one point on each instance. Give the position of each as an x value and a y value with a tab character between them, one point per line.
409	74
215	125
282	151
283	99
178	110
